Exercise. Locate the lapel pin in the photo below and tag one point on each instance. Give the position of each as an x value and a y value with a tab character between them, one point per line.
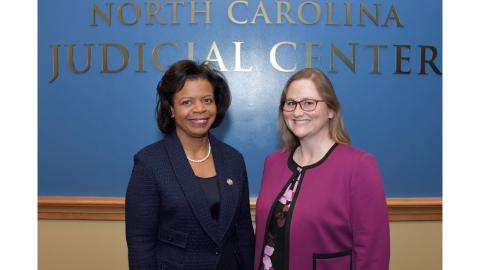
229	181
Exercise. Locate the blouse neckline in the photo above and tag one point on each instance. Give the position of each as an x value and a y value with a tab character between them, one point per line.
294	166
206	178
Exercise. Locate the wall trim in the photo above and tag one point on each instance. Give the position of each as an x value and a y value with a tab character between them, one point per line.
81	208
113	208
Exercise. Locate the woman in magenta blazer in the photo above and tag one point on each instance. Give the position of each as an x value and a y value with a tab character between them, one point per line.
321	203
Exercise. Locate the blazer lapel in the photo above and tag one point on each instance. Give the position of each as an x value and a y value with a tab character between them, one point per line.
191	187
229	188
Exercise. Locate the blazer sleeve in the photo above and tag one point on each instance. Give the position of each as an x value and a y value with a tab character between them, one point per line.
141	217
369	217
244	226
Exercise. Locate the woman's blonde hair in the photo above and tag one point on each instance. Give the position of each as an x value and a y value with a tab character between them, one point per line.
336	130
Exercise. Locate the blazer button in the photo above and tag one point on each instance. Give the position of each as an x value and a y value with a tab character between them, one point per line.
217	252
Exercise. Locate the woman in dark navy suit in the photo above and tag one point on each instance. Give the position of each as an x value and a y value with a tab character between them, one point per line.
187	203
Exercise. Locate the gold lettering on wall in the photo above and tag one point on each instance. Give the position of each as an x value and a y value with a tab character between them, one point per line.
123	51
309	55
190	50
281	12
330	20
218	57
54	61
400	58
424	61
351	64
174	4
426	55
262	13
71	62
376	49
348	14
238	58
115	56
97	11
230	12
317	8
156	62
308	12
120	11
153	13
365	11
140	56
194	11
392	15
273	56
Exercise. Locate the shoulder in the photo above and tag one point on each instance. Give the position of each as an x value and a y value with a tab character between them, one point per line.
279	156
352	154
150	154
362	165
150	149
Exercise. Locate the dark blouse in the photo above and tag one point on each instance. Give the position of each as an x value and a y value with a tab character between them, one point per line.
275	252
210	188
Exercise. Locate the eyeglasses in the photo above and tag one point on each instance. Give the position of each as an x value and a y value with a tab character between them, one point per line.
307	105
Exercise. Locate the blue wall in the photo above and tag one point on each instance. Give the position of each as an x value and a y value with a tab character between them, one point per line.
91	124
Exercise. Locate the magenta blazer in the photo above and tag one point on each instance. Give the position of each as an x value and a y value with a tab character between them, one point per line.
339	220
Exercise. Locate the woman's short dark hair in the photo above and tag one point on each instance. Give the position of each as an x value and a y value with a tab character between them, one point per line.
173	81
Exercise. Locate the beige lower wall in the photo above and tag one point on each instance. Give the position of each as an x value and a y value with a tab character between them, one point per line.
416	245
100	245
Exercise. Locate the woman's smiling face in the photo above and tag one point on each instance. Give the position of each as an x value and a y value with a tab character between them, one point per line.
194	108
305	124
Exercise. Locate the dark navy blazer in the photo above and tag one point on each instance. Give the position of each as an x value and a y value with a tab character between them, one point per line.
168	221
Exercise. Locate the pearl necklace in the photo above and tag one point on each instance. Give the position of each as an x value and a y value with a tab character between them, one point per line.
200	160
